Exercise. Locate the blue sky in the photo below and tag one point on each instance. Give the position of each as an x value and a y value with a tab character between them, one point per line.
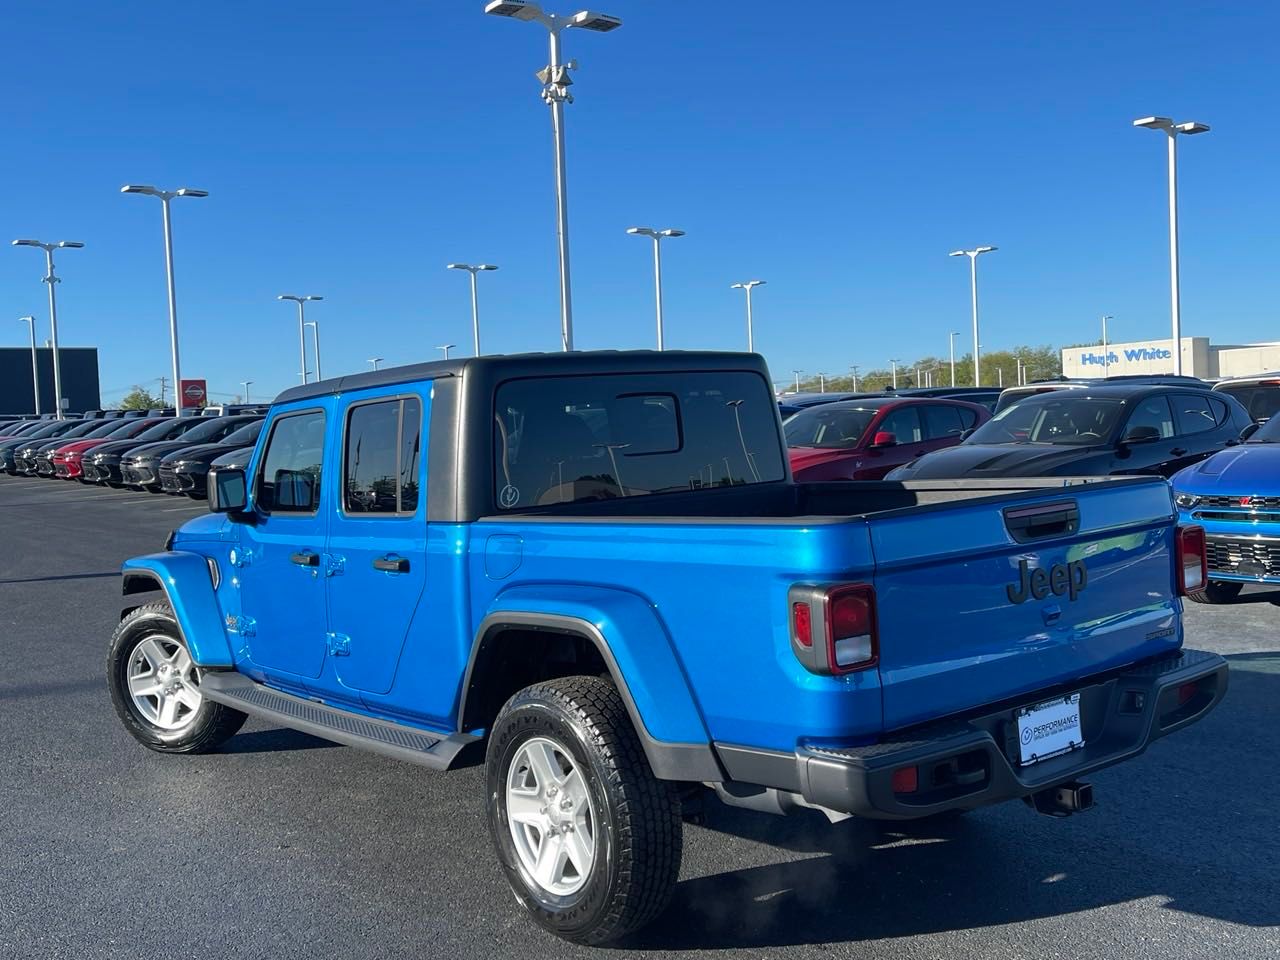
837	151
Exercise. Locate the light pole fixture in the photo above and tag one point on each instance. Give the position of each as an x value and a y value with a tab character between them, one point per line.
973	256
51	278
475	303
657	236
1172	130
748	286
894	364
315	345
302	319
165	196
446	347
555	92
375	361
1106	363
954	334
35	367
246	384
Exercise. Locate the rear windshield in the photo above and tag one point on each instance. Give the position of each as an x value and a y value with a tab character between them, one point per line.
1052	418
829	427
571	439
1262	402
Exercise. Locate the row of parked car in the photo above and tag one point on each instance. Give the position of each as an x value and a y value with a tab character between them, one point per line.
1210	440
152	450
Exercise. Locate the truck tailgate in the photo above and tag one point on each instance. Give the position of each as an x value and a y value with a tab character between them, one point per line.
981	601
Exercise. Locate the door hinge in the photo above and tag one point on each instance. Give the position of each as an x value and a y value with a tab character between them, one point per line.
339	644
242	625
334	566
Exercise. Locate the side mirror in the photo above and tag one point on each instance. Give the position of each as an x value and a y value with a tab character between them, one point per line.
966	434
1249	431
295	490
227	491
1141	435
884	438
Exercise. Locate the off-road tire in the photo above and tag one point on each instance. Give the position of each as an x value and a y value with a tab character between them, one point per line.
211	724
1217	591
638	832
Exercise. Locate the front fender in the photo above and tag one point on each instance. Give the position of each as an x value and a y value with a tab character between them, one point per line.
185	580
636	646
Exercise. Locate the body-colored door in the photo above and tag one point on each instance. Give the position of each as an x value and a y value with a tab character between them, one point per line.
283	592
377	538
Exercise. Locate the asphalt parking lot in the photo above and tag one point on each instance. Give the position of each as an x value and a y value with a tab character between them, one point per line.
282	845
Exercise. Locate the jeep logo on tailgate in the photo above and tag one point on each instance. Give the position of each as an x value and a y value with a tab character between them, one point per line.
1069	578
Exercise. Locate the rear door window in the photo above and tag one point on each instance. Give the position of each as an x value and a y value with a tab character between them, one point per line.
381	461
944	423
1194	413
290	475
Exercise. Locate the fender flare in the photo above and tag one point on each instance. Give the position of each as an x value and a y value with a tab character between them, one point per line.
637	651
186	582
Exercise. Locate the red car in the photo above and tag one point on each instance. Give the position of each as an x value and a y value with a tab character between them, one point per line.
865	439
66	459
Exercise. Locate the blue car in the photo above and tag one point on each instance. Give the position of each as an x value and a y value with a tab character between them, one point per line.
1235	496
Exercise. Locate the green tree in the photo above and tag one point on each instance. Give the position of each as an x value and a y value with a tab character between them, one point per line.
999	365
139	399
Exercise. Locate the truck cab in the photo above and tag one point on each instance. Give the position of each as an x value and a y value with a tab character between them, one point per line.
597	569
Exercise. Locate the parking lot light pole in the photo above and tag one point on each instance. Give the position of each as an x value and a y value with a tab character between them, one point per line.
973	256
853	368
1106	365
954	334
894	364
246	384
35	367
1175	295
302	330
445	348
797	373
165	196
475	302
555	91
375	361
748	287
315	345
657	236
51	279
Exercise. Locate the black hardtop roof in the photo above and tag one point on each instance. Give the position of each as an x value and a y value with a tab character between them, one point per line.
503	366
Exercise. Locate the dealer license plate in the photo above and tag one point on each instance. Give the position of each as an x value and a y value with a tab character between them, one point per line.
1049	729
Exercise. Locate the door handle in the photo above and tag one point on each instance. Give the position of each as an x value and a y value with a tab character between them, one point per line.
390	564
306	558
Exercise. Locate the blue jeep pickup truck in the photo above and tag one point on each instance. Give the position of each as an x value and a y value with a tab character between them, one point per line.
595	570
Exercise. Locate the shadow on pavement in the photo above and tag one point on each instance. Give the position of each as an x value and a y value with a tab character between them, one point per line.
65	576
1203	796
270	741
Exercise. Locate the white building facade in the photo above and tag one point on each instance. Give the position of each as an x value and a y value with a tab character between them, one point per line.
1200	358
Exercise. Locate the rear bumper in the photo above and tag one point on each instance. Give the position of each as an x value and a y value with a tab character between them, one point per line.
973	762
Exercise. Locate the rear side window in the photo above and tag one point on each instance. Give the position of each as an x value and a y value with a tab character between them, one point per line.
380	466
944	423
572	439
289	478
1193	413
1261	400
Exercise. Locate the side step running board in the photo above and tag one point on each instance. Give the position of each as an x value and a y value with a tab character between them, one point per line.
237	691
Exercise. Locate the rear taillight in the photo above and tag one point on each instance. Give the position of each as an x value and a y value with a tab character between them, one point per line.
833	626
1193	563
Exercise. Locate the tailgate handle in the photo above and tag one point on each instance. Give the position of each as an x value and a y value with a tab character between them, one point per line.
1044	520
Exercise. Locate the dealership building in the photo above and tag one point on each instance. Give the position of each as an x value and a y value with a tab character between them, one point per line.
79	373
1200	358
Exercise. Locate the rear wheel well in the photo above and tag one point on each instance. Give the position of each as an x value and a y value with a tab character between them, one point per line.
511	659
